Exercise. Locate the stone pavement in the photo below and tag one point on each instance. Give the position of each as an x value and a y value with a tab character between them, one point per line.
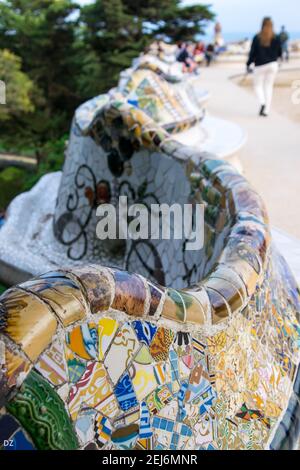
271	156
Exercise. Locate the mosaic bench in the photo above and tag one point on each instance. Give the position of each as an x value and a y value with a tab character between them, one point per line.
114	149
181	102
120	151
195	350
96	358
33	231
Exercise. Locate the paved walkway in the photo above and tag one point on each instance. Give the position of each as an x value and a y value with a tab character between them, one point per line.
271	157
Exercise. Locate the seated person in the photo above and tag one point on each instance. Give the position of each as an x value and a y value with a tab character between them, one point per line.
184	56
209	54
199	52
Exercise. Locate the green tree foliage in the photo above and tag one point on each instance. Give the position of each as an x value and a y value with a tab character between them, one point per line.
42	33
11	183
55	54
71	53
18	87
118	30
2	289
184	24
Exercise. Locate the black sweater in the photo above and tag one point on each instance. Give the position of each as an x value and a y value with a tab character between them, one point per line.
262	55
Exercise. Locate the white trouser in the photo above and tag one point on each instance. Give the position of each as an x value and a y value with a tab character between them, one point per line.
264	78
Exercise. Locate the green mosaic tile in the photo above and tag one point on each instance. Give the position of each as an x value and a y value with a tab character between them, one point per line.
42	413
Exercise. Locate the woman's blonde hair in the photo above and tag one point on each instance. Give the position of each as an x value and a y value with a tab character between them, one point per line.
266	34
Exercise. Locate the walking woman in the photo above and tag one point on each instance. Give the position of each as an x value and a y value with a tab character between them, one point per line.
265	51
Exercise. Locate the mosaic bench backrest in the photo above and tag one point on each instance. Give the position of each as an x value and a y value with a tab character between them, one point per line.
168	107
118	151
172	72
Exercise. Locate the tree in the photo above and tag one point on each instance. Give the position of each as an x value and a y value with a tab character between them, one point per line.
18	87
72	53
185	23
43	34
118	30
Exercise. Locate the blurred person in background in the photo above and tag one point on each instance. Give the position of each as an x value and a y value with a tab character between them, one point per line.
209	54
199	52
284	39
264	54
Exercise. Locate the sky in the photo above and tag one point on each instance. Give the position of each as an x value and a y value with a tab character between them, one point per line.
245	15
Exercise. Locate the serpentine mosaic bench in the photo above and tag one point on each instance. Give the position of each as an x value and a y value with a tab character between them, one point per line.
97	358
190	350
149	87
170	108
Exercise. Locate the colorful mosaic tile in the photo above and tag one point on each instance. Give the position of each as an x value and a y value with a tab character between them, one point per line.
125	393
144	331
93	390
143	379
82	340
198	389
125	438
103	430
159	347
52	365
84	425
19	441
59	290
107	328
21	312
75	366
158	399
122	349
43	415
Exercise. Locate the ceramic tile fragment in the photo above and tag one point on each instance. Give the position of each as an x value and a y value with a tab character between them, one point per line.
19	441
131	415
158	399
145	422
75	366
84	425
93	390
160	373
122	349
28	321
130	294
17	366
82	340
107	328
156	295
52	365
8	426
125	438
159	347
125	393
43	415
143	356
143	379
102	429
144	331
62	293
97	286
